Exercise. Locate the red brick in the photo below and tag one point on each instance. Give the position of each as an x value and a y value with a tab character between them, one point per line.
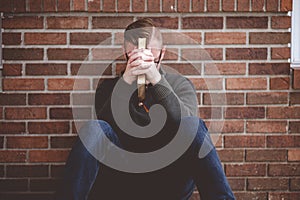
272	5
267	98
251	195
246	83
49	5
283	195
23	54
210	112
12	127
83	99
107	54
231	155
35	5
292	112
16	185
228	5
281	22
202	54
49	99
223	98
91	69
286	5
11	156
168	6
108	6
71	113
79	5
264	155
26	113
246	54
293	155
24	22
227	126
123	6
67	54
48	127
202	23
283	170
6	6
247	22
244	141
266	126
184	68
269	38
266	184
269	68
46	69
176	38
62	141
283	141
207	83
90	38
12	99
243	5
68	84
197	5
12	69
67	22
138	5
111	22
225	69
94	6
11	38
165	22
280	83
153	6
280	53
19	6
48	155
23	84
294	127
225	38
245	169
294	98
183	6
237	183
25	142
258	5
45	38
63	5
296	79
213	5
295	184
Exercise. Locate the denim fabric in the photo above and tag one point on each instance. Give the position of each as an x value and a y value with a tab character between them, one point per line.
87	178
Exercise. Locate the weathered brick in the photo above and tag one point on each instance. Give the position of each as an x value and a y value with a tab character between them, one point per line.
225	38
237	184
165	22
296	79
153	6
45	38
12	69
269	68
83	99
168	5
94	6
90	38
207	83
210	112
12	127
280	83
283	195
244	141
244	169
223	98
123	6
280	53
246	54
12	156
247	22
283	170
266	126
138	6
295	184
292	112
225	69
243	5
266	155
19	6
49	99
286	5
48	155
79	5
266	184
25	113
295	98
293	155
269	38
111	22
91	69
46	69
267	98
258	5
213	5
24	22
202	23
198	5
228	5
67	113
185	68
227	126
183	6
6	6
202	54
49	5
62	141
34	5
67	54
27	171
108	6
231	155
283	141
281	22
251	195
11	38
294	127
67	22
23	54
246	83
244	112
272	5
175	38
68	84
107	54
48	127
63	5
12	99
23	84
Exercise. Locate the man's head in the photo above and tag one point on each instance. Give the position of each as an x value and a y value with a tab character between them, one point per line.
144	28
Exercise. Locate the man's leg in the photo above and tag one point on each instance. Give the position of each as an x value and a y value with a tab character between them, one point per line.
82	167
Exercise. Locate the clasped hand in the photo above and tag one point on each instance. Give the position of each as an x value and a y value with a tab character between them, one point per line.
141	61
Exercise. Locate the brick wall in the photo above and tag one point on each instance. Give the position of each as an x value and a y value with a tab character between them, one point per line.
244	88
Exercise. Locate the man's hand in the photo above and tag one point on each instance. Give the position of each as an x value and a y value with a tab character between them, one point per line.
141	61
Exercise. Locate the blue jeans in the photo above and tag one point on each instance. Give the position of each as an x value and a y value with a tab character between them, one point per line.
87	178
